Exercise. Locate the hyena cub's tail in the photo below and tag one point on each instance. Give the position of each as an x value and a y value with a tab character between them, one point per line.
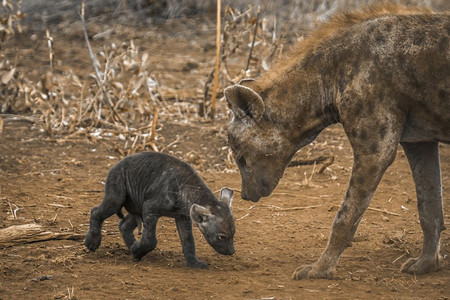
138	220
120	214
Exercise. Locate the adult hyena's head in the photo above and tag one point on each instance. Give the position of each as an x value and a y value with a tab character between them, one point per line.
260	148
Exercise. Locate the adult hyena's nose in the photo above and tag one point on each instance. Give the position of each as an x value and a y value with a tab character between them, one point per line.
249	195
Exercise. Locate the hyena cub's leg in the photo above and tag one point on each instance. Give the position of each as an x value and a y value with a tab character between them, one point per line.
424	162
148	241
184	227
127	226
115	196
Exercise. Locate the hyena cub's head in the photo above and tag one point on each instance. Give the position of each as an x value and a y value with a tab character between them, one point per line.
216	223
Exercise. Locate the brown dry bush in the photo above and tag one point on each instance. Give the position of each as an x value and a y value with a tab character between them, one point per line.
10	16
121	100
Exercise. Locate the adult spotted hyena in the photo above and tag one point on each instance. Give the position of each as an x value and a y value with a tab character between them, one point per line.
384	74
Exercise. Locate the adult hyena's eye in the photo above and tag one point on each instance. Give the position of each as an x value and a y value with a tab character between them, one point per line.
241	161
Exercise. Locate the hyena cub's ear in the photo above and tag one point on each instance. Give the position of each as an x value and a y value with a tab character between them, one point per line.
244	102
226	196
199	214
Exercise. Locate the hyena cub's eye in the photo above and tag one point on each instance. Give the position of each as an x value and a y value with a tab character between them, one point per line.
241	161
221	237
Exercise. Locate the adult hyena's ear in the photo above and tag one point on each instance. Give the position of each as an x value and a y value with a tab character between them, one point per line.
226	196
244	102
199	214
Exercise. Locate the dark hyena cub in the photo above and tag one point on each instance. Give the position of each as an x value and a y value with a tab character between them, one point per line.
151	185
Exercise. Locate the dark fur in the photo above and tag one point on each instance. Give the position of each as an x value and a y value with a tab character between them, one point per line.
150	185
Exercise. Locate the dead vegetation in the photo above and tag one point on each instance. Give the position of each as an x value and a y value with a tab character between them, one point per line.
10	16
52	178
122	100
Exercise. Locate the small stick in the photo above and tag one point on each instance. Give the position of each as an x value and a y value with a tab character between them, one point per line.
246	215
50	48
399	258
12	211
70	224
294	208
58	205
154	122
383	211
173	143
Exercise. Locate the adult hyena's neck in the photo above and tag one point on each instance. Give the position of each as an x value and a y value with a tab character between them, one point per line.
299	102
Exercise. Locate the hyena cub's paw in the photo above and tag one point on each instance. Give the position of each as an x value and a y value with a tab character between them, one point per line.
196	264
420	266
312	271
92	240
138	251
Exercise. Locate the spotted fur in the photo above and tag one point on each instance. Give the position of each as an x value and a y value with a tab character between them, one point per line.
384	74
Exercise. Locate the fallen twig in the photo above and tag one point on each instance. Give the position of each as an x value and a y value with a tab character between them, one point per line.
305	162
399	257
12	117
30	233
244	216
383	211
290	208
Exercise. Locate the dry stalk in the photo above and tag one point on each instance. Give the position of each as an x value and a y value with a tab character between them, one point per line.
99	78
51	52
255	32
216	68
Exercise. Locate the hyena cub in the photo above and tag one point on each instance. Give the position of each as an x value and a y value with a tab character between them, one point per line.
151	185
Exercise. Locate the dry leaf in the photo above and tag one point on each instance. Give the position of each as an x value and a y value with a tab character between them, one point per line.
7	75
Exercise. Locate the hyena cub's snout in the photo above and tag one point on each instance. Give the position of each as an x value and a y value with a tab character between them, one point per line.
222	244
217	226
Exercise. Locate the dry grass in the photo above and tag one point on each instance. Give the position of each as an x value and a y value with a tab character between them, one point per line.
10	16
121	100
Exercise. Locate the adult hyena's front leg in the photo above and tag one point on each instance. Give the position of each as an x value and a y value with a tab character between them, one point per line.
424	162
366	174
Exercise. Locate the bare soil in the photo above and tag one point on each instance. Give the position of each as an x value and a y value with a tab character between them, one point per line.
56	183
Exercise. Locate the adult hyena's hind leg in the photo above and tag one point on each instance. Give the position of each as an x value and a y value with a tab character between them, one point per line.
115	196
424	162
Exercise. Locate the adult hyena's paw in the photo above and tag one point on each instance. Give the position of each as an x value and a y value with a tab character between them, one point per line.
196	264
92	240
420	265
312	271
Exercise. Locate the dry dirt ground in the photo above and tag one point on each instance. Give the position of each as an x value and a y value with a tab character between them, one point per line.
55	184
